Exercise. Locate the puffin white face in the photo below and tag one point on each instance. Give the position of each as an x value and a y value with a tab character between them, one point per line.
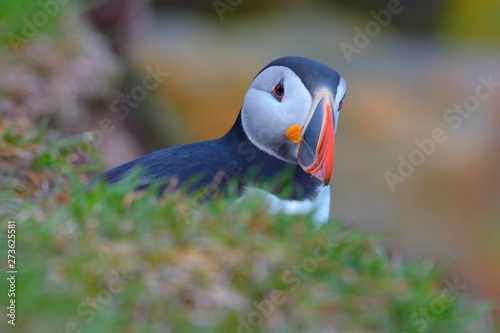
283	118
276	100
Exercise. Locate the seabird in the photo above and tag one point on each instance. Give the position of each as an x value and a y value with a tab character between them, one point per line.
286	127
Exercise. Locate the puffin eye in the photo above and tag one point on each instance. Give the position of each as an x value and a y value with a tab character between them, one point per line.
279	90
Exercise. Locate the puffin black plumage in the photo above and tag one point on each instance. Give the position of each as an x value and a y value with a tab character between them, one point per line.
286	125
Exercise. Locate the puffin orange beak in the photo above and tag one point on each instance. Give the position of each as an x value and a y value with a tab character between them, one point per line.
318	137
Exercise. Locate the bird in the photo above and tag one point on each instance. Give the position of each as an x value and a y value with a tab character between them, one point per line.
286	126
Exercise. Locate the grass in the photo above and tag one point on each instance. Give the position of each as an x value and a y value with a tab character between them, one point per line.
107	260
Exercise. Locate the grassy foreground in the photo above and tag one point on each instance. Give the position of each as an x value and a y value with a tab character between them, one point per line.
105	260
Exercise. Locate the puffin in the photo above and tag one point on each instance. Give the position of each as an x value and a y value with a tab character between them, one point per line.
281	145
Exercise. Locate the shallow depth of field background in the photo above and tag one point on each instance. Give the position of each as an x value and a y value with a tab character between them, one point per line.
430	57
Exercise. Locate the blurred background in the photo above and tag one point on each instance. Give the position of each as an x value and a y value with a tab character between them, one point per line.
407	64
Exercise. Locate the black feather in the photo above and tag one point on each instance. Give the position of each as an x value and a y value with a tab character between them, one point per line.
211	164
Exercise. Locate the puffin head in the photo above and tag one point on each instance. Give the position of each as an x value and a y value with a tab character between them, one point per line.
291	112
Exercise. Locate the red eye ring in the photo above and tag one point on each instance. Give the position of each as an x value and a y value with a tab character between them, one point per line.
279	90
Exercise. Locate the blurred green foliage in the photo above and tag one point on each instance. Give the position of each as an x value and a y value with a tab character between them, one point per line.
472	20
21	21
24	19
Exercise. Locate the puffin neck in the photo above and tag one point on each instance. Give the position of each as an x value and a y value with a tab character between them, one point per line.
236	132
304	185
